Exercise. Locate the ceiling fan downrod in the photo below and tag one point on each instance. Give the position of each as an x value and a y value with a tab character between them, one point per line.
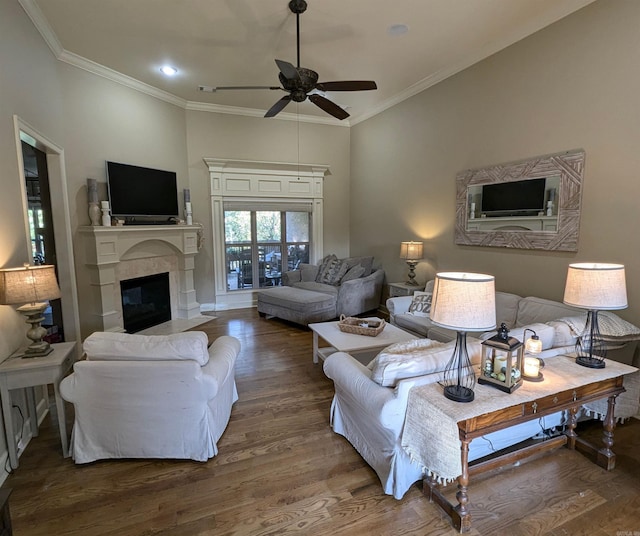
298	7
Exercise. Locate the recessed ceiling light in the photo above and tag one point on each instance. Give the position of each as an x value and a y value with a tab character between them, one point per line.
397	29
168	70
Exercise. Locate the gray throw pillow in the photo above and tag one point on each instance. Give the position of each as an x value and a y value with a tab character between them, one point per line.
353	273
333	272
324	266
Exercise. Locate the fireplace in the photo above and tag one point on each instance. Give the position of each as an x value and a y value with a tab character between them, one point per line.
146	301
116	254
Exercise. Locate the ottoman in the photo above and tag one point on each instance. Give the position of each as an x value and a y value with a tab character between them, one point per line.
297	305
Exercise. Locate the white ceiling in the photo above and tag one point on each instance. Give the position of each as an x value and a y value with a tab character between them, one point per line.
235	42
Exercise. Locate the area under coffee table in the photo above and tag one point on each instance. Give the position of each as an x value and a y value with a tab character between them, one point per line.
362	347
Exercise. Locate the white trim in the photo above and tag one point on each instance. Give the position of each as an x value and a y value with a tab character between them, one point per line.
253	180
61	220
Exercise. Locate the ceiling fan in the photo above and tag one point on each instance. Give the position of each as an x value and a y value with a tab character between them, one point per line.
300	82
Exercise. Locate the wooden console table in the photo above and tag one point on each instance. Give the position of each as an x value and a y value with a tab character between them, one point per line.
432	422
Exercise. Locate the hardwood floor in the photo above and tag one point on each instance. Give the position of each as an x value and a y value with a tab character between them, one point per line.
281	470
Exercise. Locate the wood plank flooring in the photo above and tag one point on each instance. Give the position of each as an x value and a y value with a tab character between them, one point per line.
281	470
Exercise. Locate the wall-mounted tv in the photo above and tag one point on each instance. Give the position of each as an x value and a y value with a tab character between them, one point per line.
139	192
513	198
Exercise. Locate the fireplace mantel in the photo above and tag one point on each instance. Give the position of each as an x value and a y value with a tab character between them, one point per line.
110	253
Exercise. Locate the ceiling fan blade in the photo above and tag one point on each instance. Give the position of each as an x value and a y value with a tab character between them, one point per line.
347	85
278	106
288	70
328	106
213	89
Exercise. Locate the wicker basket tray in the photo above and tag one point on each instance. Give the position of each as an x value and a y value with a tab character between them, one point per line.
361	326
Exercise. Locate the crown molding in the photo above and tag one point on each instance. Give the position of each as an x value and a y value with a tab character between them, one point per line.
42	25
253	112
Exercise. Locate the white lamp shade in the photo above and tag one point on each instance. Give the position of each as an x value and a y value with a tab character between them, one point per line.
464	301
29	284
411	251
596	286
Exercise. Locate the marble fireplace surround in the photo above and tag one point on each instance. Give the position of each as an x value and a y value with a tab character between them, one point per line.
114	254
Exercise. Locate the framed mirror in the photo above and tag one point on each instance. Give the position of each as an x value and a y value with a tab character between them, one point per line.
530	204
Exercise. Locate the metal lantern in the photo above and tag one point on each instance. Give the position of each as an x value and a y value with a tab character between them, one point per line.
502	361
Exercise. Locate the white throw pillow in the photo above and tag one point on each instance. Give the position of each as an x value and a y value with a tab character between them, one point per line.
416	357
109	346
420	304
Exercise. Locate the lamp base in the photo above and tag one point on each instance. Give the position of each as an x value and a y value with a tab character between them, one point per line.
590	362
412	274
537	378
458	393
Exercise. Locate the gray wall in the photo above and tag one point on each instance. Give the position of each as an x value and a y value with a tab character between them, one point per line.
572	85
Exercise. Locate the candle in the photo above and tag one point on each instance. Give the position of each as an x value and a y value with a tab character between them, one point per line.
104	204
499	363
187	195
187	207
531	367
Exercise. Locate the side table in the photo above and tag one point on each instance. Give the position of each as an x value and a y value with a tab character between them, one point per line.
402	289
21	373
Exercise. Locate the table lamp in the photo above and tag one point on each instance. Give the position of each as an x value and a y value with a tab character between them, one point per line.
463	302
411	252
594	286
31	286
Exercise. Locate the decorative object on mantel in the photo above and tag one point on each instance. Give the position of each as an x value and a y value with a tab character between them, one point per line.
106	218
563	174
187	206
411	252
464	302
594	286
92	196
31	286
502	361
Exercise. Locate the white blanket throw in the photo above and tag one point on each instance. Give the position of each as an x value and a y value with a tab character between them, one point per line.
430	434
612	327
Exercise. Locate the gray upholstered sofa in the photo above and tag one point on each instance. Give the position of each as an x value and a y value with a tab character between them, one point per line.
317	293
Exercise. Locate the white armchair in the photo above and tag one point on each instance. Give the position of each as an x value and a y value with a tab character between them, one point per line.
141	396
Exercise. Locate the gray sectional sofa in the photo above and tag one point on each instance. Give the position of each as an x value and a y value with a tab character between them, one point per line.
318	293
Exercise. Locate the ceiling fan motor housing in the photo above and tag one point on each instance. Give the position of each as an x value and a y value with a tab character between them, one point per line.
298	6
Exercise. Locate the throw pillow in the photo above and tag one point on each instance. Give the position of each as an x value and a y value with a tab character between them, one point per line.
366	262
353	273
111	346
417	357
333	272
324	266
420	304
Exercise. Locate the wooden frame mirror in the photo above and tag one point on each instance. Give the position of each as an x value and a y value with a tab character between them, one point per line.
554	227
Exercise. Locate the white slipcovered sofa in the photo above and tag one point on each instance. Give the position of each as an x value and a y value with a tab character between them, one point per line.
557	324
370	402
139	396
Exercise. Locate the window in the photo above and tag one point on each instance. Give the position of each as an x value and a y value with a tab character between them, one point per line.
260	244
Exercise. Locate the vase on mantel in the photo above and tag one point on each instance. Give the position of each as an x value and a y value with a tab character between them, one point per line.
95	214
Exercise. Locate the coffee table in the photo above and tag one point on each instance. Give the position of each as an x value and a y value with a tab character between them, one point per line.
363	347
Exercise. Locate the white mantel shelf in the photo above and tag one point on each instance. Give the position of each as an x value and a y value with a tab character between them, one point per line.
107	250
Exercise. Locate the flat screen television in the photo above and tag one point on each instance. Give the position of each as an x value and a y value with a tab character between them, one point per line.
139	192
517	198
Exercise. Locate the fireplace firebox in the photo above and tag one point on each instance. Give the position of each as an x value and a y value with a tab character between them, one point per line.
146	302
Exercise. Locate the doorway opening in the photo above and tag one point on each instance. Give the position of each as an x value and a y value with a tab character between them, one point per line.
41	229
